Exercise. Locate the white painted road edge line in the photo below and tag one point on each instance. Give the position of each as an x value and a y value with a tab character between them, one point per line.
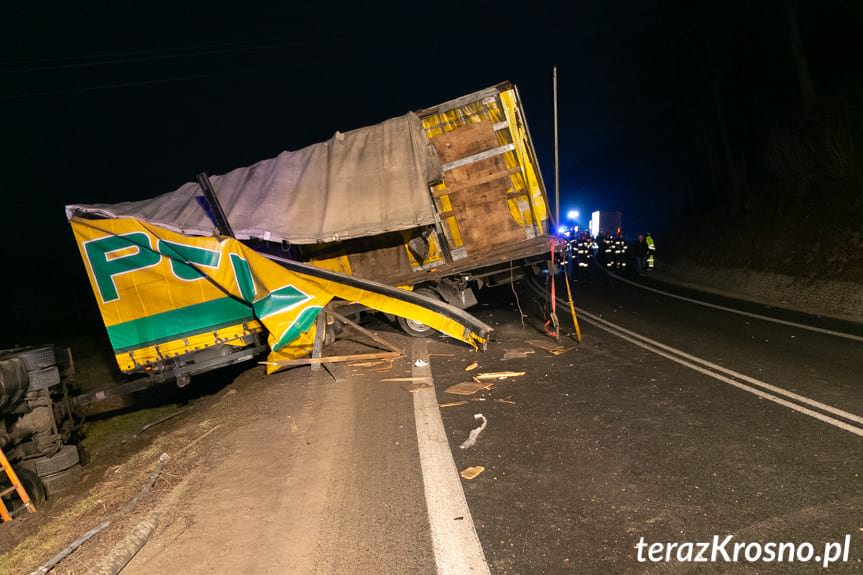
739	312
457	548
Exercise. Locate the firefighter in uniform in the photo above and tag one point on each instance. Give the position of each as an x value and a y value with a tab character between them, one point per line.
620	251
582	247
608	250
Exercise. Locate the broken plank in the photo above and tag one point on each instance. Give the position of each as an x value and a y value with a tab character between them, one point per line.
497	375
332	359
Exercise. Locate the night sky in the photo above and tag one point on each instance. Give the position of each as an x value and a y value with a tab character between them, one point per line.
103	102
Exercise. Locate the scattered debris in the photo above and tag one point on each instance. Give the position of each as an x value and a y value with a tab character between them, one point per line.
472	472
471	366
474	433
497	375
386	365
506	401
468	387
553	349
202	436
517	353
331	359
293	425
415	387
420	378
376	363
452	403
162	419
421	363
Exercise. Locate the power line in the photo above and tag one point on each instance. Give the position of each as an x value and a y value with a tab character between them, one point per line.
159	54
351	58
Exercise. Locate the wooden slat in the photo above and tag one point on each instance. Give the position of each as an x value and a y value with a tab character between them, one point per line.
333	359
466	185
465	141
498	151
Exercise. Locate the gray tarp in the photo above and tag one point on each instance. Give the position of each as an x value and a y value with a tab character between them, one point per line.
359	183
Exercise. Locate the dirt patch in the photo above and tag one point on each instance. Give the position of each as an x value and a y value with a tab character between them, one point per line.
123	452
122	457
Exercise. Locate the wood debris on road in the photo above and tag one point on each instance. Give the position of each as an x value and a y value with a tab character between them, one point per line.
518	353
496	375
472	472
468	387
553	349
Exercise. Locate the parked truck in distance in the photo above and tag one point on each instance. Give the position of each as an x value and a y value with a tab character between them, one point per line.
602	223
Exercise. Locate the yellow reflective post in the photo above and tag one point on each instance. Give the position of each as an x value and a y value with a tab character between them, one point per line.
572	308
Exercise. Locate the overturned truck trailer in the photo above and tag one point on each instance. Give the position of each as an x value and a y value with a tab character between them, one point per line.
439	201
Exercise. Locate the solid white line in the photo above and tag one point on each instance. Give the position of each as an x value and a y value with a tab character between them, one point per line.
739	312
457	548
679	355
769	396
775	389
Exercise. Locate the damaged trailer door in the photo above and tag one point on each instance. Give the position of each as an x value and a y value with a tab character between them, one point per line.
166	297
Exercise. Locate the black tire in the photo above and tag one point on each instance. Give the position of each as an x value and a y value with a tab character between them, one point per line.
415	328
57	482
65	458
32	484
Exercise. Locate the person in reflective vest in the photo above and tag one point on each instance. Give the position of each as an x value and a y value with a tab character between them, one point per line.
620	251
651	251
608	250
582	250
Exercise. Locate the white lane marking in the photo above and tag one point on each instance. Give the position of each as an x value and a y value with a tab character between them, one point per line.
655	347
457	548
775	389
740	312
652	346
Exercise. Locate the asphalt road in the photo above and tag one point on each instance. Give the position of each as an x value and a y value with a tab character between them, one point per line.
611	442
619	455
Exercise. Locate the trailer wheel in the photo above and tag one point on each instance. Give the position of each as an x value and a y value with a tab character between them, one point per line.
416	328
32	484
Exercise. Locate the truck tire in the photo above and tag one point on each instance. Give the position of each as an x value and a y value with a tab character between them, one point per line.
37	358
60	461
57	482
415	328
32	485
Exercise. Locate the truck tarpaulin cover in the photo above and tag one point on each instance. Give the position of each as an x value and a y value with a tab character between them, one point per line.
359	183
162	294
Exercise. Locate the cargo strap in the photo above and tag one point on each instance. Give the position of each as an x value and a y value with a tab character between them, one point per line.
17	486
555	332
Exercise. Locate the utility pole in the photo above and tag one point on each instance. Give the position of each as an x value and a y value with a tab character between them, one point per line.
556	167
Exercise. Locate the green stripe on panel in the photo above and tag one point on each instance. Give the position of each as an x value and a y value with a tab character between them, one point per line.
177	323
